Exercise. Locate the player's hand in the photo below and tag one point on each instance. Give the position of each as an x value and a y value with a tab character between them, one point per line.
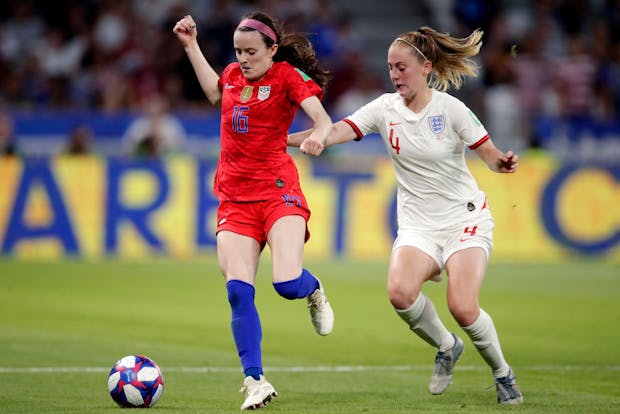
507	162
185	29
311	147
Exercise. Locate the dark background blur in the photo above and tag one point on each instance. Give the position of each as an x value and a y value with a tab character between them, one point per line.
75	75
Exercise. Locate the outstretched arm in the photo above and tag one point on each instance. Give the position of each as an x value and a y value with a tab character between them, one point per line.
314	142
341	133
186	32
496	160
295	139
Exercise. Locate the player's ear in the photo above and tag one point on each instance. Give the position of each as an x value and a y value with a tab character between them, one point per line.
428	67
273	50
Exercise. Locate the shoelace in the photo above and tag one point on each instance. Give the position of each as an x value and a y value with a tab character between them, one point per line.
315	302
442	358
508	380
506	383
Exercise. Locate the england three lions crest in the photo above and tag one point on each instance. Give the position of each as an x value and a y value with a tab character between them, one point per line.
437	123
263	92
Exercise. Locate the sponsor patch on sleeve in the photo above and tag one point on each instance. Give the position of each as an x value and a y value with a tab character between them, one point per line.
305	77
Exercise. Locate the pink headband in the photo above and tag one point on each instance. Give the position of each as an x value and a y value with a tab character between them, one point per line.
260	27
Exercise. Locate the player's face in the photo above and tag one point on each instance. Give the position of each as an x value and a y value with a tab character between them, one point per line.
407	73
252	53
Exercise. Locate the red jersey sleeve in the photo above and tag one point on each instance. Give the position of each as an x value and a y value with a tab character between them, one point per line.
302	86
225	75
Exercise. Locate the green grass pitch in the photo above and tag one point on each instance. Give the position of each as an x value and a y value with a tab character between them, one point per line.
64	324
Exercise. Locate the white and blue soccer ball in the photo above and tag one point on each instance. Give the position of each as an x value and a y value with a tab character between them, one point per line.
135	381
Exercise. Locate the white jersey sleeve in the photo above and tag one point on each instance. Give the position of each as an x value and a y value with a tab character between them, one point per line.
465	124
368	119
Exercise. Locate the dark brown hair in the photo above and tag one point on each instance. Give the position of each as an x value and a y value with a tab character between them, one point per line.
294	48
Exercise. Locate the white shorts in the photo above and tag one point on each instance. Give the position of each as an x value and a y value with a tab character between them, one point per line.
441	244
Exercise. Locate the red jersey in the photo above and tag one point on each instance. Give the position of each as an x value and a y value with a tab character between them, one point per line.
256	117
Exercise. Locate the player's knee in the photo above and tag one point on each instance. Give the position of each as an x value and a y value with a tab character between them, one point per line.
297	288
401	297
239	293
464	313
289	289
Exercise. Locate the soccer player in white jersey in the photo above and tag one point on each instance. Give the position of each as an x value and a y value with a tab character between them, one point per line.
444	220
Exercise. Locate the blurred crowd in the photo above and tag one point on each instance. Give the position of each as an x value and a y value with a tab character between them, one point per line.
112	55
551	69
541	60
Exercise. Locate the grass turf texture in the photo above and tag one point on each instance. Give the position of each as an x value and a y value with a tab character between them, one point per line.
558	324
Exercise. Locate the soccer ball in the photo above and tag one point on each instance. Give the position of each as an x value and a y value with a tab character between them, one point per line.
135	381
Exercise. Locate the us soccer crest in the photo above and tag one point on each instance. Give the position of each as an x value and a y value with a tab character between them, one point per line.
246	93
263	92
437	123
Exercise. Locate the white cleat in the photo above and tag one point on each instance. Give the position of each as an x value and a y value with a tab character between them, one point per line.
321	312
444	367
507	389
257	393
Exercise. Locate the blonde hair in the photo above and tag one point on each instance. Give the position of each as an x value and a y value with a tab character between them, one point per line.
449	55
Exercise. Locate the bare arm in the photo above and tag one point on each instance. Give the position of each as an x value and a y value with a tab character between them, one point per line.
314	141
496	160
295	139
185	29
341	133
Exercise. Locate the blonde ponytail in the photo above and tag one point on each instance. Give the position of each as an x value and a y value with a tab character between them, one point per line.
450	56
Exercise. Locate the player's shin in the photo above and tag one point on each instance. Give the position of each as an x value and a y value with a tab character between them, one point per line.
484	337
246	327
423	319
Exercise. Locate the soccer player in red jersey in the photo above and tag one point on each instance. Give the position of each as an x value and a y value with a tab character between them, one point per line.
256	181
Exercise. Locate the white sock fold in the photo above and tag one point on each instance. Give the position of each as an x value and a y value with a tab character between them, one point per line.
484	337
423	319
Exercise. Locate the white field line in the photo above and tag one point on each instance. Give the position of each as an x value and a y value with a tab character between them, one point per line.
325	368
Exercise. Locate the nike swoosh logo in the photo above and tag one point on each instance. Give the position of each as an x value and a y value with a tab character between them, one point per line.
227	86
394	123
465	239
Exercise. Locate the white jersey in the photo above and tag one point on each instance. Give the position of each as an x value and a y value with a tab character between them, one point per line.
436	190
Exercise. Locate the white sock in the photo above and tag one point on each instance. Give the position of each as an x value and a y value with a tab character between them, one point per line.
484	336
423	319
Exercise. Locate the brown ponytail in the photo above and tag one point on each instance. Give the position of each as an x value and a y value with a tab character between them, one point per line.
294	48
